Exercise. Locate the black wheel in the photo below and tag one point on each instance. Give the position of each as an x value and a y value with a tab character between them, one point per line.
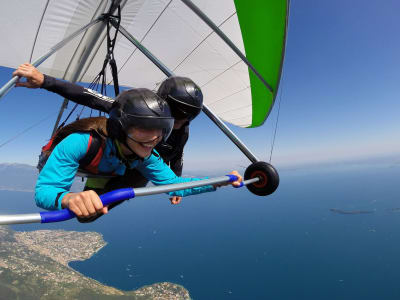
269	178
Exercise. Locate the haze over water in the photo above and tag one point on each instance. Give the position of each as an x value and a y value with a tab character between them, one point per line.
233	245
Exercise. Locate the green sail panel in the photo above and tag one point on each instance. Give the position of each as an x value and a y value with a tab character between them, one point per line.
263	24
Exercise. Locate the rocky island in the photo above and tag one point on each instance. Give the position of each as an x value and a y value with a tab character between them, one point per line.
34	265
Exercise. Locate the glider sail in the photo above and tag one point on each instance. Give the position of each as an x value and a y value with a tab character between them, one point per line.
173	33
233	49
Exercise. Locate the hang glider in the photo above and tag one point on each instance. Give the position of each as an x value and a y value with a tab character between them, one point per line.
233	49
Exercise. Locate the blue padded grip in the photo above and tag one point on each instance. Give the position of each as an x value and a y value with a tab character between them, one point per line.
107	198
241	184
232	178
56	216
117	195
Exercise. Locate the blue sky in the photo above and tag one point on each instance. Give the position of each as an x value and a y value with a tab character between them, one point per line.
340	95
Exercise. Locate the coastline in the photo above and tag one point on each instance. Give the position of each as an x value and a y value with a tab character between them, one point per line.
39	261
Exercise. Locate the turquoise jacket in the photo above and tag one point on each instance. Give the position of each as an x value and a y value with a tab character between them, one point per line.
58	173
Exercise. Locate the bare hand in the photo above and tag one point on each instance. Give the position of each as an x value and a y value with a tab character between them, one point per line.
235	183
84	204
34	79
175	199
238	182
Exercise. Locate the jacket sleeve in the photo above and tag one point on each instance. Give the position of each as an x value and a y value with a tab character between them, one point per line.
58	173
155	170
78	94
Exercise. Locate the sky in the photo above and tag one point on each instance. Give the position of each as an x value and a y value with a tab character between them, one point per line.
339	96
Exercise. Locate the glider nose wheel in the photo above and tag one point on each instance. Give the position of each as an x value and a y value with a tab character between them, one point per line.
269	178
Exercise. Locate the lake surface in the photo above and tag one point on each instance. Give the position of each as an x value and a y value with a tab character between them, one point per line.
234	245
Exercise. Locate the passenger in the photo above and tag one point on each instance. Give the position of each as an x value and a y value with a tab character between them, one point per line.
182	94
137	122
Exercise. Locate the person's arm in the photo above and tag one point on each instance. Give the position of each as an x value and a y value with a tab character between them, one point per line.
154	169
176	165
57	176
176	162
58	173
71	91
78	94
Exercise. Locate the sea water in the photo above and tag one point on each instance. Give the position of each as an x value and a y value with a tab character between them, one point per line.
234	245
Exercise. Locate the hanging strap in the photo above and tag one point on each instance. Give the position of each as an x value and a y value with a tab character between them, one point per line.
110	51
109	60
100	81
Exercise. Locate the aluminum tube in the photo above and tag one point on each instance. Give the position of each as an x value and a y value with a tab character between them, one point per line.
143	49
185	185
179	186
229	133
222	35
20	219
246	151
61	44
10	84
118	195
249	181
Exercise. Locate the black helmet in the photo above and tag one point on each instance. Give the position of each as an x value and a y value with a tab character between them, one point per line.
183	96
140	108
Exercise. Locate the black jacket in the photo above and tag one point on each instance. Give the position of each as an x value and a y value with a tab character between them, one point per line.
171	150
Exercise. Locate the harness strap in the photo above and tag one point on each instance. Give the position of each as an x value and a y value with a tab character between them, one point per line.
91	160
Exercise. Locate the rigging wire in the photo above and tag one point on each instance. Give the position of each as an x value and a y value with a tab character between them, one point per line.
145	35
38	29
277	119
282	82
25	130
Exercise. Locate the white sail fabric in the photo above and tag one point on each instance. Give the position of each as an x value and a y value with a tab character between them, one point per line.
168	28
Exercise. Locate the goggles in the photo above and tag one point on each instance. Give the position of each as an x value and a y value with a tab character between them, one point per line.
153	142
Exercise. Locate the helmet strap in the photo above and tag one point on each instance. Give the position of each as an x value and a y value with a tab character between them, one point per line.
127	161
